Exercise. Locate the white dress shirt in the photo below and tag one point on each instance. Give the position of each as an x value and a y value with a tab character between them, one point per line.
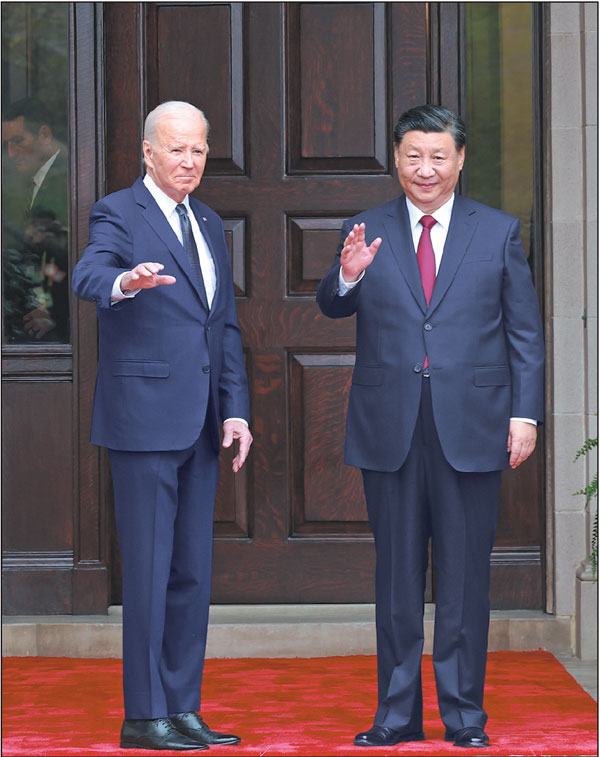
167	205
438	234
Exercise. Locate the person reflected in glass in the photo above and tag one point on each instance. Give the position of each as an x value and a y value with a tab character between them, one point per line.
34	226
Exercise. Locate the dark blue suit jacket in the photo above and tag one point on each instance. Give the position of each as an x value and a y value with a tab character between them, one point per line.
482	333
166	363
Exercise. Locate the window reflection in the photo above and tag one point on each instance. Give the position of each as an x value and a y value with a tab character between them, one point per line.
499	73
35	195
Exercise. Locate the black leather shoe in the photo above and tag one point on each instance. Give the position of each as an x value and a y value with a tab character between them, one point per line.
192	726
158	733
381	736
469	738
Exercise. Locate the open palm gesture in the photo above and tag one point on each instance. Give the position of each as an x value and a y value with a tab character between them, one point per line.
356	254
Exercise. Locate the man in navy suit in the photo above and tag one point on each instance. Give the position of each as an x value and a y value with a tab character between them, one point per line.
170	371
447	391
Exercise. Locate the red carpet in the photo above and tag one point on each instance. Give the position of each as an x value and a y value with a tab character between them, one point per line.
71	707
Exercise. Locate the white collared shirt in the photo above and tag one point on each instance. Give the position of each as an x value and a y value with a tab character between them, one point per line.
40	175
168	206
439	231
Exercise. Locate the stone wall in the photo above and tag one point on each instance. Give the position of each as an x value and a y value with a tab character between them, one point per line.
571	309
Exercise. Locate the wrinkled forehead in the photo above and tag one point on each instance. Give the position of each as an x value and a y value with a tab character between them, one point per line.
189	130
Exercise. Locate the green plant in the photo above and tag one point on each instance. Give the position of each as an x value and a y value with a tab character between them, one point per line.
589	492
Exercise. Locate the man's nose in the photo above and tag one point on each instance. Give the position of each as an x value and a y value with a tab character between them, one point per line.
187	158
426	168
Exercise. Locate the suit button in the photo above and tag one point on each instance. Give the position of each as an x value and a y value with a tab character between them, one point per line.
418	368
206	369
428	327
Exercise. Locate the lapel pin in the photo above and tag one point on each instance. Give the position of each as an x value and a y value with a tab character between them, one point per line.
203	218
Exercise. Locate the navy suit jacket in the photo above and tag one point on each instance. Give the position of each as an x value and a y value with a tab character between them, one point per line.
166	362
482	334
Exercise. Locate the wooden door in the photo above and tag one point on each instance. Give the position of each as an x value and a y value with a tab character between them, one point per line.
300	139
301	98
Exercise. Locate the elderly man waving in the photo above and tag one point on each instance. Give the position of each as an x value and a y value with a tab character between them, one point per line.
170	372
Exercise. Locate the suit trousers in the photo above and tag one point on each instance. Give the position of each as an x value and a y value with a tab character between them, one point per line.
428	499
164	503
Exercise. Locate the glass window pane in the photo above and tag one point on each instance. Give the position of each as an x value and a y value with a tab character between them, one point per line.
500	108
35	180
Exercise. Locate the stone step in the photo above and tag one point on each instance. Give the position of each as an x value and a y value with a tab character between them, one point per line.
272	631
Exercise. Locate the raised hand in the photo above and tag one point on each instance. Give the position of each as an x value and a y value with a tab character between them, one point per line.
145	276
356	255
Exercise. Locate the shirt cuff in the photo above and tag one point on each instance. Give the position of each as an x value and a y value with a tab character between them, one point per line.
242	420
526	420
344	286
117	295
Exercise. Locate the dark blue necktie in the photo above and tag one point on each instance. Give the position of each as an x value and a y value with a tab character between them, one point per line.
189	244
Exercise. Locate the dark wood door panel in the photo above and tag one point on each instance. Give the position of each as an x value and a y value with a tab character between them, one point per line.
215	77
294	571
337	111
37	465
326	496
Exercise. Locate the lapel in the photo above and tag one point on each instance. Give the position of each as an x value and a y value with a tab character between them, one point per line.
462	227
397	226
156	218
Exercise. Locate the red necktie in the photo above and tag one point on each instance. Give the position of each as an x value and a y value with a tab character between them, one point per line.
425	256
426	261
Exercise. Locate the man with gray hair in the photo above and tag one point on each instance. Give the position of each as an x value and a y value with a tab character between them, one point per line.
170	372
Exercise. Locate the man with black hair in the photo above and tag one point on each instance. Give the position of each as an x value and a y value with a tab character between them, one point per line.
35	225
447	390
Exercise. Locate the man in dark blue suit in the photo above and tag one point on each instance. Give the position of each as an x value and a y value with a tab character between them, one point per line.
447	391
170	371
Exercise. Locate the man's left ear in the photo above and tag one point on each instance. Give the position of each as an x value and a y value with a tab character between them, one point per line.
461	158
